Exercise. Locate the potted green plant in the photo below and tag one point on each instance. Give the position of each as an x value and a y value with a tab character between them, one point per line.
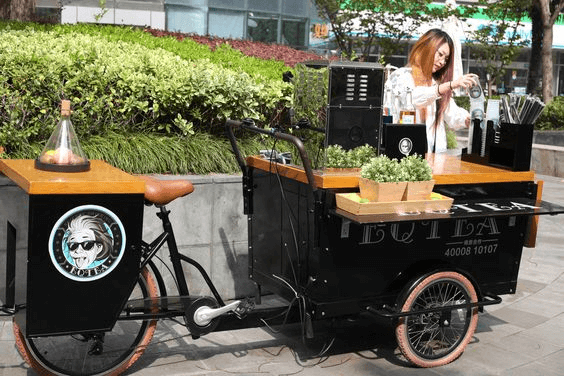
361	155
419	177
336	157
341	160
382	179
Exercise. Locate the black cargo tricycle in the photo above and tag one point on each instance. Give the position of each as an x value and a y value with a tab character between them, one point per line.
430	272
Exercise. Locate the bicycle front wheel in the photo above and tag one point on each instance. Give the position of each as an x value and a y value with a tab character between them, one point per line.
104	353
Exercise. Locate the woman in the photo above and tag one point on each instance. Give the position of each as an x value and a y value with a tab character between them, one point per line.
429	74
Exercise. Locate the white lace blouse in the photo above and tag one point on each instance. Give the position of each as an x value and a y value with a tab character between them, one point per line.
426	97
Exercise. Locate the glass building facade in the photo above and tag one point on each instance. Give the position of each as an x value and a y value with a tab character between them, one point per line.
272	21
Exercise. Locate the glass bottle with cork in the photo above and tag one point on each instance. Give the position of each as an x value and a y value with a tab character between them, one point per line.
387	107
407	111
62	152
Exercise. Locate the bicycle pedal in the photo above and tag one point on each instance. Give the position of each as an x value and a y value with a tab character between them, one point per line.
244	307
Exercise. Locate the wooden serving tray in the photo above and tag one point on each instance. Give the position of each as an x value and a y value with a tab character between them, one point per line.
350	202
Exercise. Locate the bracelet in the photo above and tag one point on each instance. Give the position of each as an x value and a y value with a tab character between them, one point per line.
450	84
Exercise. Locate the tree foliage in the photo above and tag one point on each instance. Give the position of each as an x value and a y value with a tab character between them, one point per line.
496	44
360	25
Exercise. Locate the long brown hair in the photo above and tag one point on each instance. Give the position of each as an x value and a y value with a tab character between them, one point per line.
421	61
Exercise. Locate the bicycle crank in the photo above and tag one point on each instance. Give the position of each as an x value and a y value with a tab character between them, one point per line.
203	314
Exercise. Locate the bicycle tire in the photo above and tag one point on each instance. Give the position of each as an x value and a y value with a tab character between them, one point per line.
436	339
68	355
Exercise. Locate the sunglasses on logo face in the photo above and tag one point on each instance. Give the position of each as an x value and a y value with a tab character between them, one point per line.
86	245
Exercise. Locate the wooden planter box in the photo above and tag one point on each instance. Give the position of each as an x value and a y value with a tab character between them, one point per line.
418	190
381	192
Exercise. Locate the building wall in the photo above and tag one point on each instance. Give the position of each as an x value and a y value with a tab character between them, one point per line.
150	13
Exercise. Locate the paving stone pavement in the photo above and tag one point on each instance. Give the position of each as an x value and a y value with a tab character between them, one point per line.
524	335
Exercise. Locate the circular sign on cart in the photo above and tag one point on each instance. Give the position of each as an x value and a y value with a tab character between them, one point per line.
87	243
405	145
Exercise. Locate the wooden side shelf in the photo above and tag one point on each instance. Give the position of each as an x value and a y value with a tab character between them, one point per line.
100	179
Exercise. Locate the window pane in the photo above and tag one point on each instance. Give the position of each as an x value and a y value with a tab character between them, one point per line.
294	7
293	33
561	57
397	61
186	20
264	5
262	27
523	55
230	4
561	81
226	24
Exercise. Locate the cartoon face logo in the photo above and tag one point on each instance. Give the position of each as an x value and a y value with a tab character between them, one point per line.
405	145
87	243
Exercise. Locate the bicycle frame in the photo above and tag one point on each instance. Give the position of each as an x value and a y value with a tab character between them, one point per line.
185	304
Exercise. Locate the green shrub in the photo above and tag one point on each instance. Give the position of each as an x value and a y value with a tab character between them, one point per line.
145	153
310	94
362	155
118	86
552	117
462	101
188	49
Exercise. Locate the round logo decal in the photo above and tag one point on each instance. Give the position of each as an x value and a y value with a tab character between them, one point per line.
405	146
87	243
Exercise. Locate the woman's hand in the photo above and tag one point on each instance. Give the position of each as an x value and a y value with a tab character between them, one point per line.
467	121
466	81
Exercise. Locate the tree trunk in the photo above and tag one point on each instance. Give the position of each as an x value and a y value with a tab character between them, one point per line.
534	74
5	9
547	75
490	83
22	10
546	52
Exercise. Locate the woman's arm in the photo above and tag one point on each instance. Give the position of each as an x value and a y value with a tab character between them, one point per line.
456	117
464	82
424	96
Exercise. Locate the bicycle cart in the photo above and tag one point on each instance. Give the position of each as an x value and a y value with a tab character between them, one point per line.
93	292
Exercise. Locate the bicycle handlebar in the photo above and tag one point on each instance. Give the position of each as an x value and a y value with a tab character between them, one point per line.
250	126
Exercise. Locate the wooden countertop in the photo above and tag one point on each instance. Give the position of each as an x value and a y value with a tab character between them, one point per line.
447	169
102	178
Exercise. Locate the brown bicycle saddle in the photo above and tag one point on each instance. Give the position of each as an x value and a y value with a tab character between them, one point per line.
162	192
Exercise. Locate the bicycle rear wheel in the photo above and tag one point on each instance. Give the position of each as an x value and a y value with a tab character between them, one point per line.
76	354
435	339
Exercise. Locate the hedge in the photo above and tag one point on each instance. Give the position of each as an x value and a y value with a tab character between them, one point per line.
120	87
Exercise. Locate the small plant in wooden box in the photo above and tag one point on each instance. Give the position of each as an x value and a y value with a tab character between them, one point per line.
382	179
419	176
338	158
